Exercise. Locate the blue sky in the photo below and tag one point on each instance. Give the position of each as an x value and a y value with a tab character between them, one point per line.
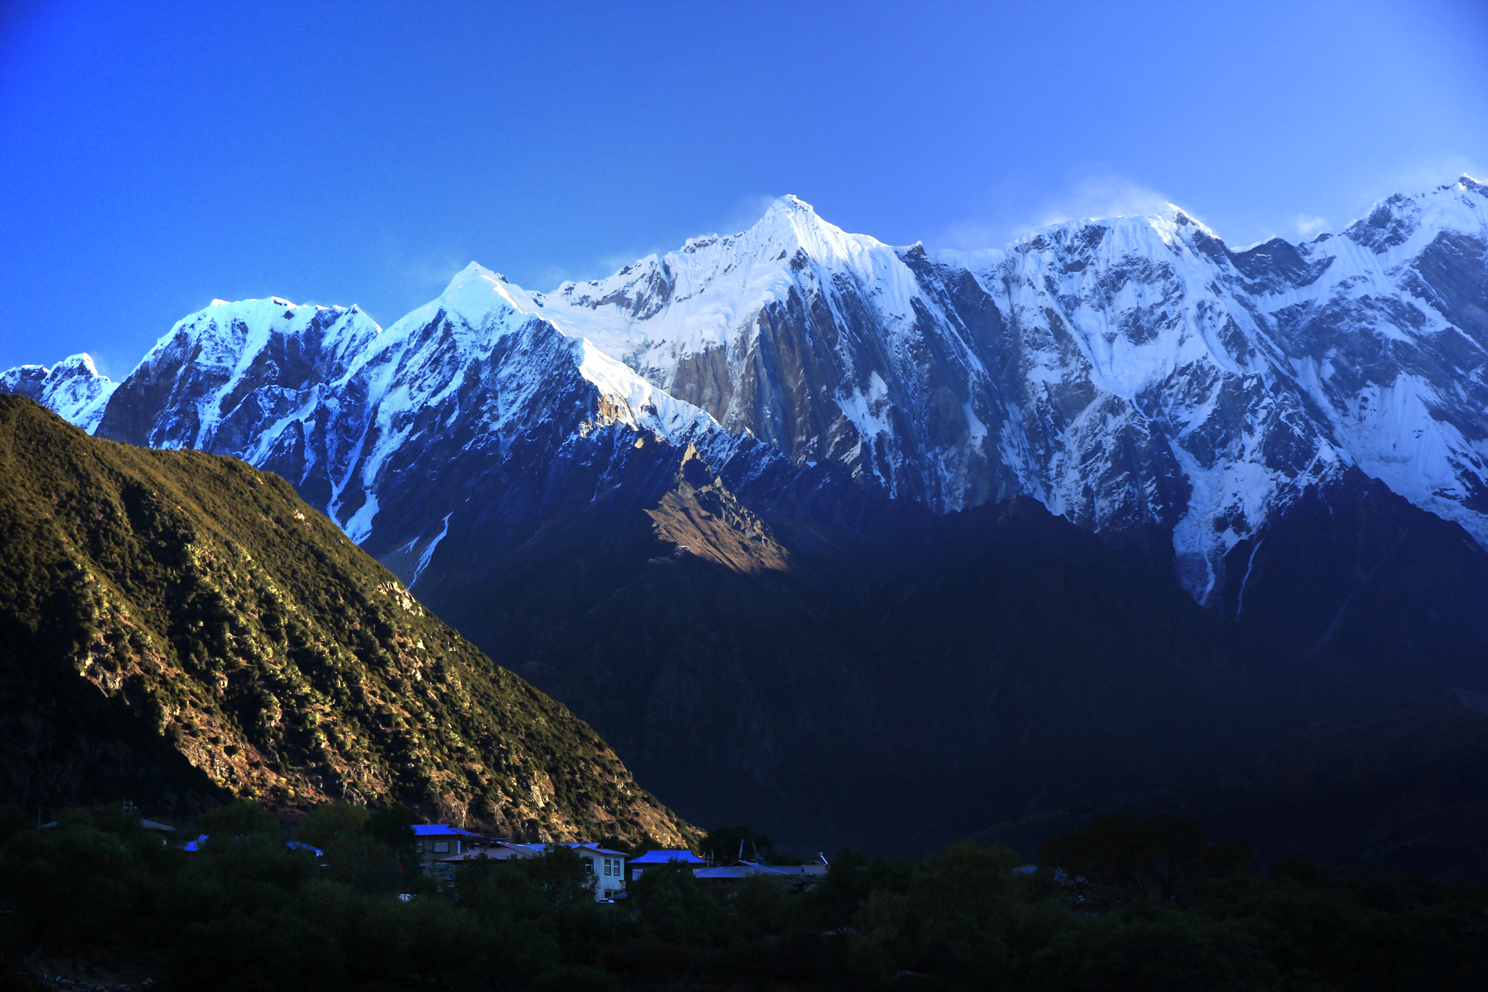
155	156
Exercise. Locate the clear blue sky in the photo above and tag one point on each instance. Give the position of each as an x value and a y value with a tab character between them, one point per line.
154	156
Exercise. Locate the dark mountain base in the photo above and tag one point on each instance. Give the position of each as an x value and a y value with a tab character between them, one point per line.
840	668
1401	795
1355	587
882	677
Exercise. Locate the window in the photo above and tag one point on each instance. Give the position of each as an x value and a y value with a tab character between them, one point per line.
419	847
607	866
441	846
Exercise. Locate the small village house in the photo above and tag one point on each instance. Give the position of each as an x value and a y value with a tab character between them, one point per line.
608	866
639	864
437	841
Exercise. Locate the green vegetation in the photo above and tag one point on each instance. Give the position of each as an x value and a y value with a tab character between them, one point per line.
1122	859
726	843
248	912
179	628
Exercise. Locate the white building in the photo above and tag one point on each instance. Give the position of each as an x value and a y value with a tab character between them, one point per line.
608	866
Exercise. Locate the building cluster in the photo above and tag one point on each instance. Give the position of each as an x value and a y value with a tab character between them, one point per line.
441	849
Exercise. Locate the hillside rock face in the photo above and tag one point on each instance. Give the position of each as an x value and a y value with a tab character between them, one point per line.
617	487
177	626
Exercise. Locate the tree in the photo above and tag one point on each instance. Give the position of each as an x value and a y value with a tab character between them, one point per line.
561	877
673	906
12	822
361	846
726	844
1120	859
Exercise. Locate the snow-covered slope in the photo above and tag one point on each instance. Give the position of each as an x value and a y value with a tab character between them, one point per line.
1134	374
362	418
813	339
73	388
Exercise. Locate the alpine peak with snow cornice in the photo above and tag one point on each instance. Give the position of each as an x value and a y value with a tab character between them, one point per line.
1135	374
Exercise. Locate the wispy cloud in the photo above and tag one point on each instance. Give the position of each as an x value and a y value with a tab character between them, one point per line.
1100	196
745	212
1307	225
1096	196
741	215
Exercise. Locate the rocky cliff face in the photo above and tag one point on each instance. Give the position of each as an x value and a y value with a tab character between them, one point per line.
1135	375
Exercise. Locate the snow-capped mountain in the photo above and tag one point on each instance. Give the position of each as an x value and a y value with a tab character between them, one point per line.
1135	374
73	388
359	416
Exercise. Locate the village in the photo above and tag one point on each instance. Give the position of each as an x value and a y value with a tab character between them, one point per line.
442	849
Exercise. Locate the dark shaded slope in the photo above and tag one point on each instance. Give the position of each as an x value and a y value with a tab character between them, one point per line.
173	624
853	670
1370	616
1355	583
1403	792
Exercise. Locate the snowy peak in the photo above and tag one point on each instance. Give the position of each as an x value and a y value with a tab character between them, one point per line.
475	291
1402	225
788	236
663	310
232	335
476	310
792	223
73	388
217	372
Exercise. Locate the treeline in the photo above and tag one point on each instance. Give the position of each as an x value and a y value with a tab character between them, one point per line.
1134	905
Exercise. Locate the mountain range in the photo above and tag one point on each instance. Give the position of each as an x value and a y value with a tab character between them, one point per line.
887	544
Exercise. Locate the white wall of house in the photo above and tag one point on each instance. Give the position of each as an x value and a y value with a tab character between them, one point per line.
609	871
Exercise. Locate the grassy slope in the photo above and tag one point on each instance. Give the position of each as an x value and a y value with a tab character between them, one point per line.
156	605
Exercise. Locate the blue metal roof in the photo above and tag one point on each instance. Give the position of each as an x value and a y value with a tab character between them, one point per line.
440	830
736	871
662	857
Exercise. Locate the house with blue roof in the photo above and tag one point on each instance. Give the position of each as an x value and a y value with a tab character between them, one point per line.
607	866
650	859
436	841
